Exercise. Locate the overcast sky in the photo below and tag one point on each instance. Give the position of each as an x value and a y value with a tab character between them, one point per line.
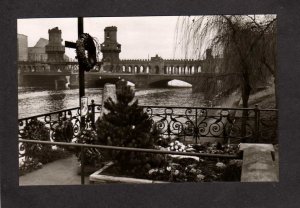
140	37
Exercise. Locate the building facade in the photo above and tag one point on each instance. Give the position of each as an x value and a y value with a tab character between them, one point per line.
22	47
38	53
44	50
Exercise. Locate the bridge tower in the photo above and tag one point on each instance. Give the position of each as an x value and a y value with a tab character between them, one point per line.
157	65
55	50
110	49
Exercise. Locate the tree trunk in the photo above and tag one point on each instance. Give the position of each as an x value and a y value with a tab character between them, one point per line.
246	89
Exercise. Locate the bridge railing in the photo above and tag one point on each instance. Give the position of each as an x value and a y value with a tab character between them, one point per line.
73	67
44	66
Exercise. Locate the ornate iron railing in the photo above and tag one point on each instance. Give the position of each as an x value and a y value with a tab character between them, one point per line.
66	122
228	123
45	66
186	123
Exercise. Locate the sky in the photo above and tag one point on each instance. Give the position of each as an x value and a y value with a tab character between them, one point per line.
140	37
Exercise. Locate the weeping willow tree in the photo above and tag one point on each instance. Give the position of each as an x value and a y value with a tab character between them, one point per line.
245	44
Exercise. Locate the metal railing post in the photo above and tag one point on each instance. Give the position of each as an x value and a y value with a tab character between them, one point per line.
82	157
93	114
257	118
196	130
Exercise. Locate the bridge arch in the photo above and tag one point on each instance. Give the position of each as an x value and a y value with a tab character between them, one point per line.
148	69
180	70
164	82
174	70
179	83
167	69
171	69
142	69
199	69
130	69
135	69
123	68
192	70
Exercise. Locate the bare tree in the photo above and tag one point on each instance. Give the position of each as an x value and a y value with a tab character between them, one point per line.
246	43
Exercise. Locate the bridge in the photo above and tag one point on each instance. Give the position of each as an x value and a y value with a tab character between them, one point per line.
56	72
60	75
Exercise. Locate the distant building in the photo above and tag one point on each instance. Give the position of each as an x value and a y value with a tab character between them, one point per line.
22	47
44	50
38	52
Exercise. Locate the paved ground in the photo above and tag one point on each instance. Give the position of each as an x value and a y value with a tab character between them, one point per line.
61	172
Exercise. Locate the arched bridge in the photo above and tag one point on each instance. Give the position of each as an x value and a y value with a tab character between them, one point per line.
60	74
200	81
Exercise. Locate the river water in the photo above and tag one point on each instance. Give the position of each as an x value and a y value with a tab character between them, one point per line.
35	101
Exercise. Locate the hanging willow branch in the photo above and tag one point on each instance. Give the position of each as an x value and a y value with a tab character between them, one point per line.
246	44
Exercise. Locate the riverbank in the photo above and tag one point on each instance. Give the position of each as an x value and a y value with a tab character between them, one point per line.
265	99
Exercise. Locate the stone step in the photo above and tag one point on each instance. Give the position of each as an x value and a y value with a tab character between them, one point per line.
258	163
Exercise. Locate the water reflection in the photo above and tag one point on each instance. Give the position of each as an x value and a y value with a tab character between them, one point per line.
56	100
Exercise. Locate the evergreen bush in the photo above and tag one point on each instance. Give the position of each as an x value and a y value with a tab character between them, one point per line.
127	125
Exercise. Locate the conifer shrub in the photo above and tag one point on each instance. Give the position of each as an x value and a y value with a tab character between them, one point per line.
127	125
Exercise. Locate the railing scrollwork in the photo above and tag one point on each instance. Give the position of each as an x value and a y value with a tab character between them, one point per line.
186	123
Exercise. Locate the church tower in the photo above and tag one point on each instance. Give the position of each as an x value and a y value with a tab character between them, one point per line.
110	48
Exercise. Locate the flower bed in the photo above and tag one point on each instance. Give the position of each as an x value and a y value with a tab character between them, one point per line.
179	168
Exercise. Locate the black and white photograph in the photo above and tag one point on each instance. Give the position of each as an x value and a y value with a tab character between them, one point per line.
147	100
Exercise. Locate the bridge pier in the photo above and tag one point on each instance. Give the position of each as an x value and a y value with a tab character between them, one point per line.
20	79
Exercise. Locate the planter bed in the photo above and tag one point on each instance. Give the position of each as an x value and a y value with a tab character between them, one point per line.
258	165
178	169
100	177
